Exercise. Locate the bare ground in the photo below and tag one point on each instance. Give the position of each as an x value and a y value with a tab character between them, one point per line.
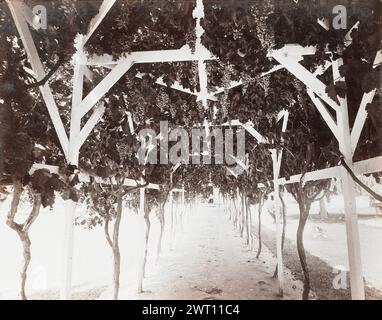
321	273
211	262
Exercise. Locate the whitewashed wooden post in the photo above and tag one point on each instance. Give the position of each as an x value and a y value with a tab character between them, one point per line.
323	209
75	128
172	231
348	190
216	195
182	210
142	242
199	48
276	189
238	209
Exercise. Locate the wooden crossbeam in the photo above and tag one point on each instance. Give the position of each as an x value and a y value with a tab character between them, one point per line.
323	174
304	75
295	50
177	86
360	168
96	21
368	166
348	39
360	119
28	14
84	177
378	59
124	64
329	120
90	124
153	56
103	87
248	126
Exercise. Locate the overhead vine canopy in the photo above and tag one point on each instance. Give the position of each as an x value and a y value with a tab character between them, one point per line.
239	33
239	84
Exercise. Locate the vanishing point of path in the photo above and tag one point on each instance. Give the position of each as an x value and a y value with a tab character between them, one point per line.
210	261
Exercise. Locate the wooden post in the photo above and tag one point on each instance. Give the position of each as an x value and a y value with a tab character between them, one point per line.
142	243
75	128
216	195
323	209
182	209
277	203
67	262
348	190
199	48
172	219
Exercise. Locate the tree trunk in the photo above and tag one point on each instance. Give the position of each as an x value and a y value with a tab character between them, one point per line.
24	237
236	216
116	251
249	224
107	234
259	227
245	218
304	214
23	231
147	235
162	222
229	209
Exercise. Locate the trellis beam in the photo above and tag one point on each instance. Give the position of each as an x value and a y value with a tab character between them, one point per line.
177	86
378	59
295	50
368	166
290	62
28	14
103	87
322	174
360	119
85	177
329	119
96	21
154	56
90	124
124	64
360	168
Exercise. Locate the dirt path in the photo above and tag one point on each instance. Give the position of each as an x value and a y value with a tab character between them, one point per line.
211	261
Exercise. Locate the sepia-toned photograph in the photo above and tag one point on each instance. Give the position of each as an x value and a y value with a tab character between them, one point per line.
190	155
